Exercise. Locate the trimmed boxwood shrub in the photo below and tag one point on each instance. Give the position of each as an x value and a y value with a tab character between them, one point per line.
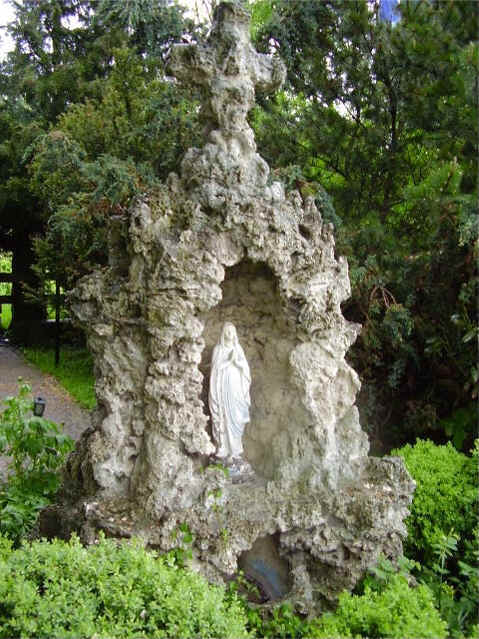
386	606
59	589
446	496
396	611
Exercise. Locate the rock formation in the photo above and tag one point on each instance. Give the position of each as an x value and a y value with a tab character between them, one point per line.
222	242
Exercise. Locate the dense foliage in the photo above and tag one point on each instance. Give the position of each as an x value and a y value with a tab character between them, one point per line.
387	606
37	449
385	119
87	120
396	610
443	529
118	589
100	155
62	589
446	497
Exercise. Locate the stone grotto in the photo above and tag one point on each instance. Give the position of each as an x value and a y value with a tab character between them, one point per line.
221	242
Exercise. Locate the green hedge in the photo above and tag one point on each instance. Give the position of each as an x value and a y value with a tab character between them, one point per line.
387	607
397	611
112	589
446	496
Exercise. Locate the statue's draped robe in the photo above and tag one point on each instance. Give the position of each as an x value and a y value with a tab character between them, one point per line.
229	398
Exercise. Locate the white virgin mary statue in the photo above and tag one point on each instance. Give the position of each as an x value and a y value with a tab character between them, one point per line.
229	398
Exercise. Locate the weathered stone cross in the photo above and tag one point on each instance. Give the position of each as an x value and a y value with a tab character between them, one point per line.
228	69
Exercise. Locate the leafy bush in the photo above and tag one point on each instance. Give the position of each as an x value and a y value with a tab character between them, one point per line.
396	610
443	529
445	499
108	590
385	606
456	596
37	449
281	621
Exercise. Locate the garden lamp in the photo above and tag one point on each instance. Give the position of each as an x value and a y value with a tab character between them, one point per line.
38	406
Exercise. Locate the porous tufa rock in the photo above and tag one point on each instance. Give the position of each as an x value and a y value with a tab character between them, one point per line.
219	243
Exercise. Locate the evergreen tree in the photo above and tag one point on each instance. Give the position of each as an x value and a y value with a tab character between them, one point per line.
71	68
385	118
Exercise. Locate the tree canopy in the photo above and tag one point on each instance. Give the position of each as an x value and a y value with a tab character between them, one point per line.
88	120
385	119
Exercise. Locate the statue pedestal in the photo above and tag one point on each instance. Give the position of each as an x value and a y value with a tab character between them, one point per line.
240	471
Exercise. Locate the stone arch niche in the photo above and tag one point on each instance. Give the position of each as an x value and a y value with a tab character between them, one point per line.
220	241
252	302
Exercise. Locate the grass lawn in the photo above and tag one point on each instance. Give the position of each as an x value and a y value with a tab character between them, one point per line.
74	373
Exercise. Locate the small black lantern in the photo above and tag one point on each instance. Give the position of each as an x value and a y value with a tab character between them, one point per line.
39	406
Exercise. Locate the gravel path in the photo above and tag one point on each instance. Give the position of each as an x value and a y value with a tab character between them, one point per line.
60	406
